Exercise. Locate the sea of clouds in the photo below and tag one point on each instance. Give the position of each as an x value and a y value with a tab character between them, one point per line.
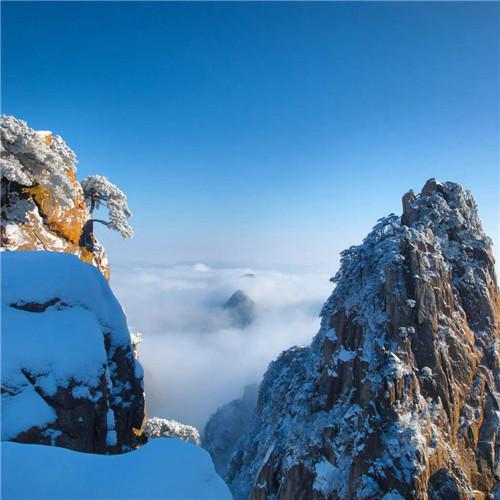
195	360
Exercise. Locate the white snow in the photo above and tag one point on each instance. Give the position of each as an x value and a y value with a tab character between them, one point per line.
59	338
41	342
111	437
345	355
163	468
24	411
325	477
24	272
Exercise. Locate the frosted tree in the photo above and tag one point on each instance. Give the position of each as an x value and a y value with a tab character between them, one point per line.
37	162
98	191
29	160
162	428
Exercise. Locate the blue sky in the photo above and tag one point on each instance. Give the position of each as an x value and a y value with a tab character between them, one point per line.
268	134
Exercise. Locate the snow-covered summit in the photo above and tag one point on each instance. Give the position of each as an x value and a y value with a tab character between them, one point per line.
398	395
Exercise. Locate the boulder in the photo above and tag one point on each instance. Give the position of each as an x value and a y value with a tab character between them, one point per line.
70	377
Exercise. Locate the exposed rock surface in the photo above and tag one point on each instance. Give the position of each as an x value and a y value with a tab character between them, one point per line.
156	427
225	427
241	309
69	374
398	394
42	203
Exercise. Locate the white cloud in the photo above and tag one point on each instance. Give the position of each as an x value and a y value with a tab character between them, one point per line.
194	359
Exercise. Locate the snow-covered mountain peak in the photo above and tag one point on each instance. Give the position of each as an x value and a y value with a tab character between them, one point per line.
399	391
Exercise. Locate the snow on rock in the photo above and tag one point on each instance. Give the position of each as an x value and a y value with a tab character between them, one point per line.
398	396
69	374
163	468
225	427
43	206
156	427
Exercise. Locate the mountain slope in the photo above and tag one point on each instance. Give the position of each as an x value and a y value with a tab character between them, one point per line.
225	427
398	394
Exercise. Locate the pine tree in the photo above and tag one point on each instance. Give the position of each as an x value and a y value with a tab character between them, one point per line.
98	191
27	160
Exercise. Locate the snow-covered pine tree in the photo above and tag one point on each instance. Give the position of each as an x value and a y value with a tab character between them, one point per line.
157	427
28	160
98	191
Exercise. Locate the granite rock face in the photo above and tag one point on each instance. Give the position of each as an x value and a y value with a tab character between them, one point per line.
42	203
398	395
70	376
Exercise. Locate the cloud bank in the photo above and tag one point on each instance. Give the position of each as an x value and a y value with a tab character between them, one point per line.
195	360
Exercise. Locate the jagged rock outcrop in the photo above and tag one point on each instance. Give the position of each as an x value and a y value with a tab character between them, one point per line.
241	309
225	427
157	427
42	203
69	374
398	394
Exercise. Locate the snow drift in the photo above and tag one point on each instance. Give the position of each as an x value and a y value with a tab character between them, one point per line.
163	468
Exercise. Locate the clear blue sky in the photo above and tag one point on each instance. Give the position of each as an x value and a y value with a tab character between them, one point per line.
261	133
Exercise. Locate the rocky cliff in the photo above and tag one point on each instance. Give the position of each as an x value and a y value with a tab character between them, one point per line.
225	427
42	204
398	394
69	374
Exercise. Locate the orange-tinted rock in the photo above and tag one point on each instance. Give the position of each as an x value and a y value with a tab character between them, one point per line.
33	216
33	220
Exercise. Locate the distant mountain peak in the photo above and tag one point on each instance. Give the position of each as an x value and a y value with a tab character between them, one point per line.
241	309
